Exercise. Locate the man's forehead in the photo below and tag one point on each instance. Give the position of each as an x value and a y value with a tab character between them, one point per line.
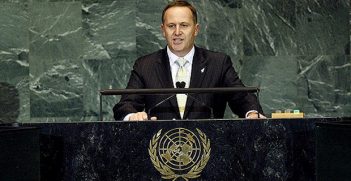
178	13
178	22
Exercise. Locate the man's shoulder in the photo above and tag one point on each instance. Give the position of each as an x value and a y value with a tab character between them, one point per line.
152	57
209	53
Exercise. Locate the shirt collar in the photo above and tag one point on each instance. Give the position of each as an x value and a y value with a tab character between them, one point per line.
189	57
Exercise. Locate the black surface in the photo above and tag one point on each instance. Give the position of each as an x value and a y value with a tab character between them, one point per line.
240	149
333	151
19	154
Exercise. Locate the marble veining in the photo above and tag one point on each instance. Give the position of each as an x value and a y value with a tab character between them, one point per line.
55	55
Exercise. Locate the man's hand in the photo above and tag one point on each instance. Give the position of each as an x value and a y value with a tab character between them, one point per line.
254	115
140	116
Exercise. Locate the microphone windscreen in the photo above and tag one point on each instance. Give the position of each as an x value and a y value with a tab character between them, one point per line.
181	84
178	84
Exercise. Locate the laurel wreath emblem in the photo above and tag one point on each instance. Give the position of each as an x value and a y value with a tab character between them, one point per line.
167	172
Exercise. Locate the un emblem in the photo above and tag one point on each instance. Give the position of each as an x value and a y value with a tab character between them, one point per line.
179	153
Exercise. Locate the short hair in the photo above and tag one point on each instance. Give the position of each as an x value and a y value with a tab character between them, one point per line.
180	3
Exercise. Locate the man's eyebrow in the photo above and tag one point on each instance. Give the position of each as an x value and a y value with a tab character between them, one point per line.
184	22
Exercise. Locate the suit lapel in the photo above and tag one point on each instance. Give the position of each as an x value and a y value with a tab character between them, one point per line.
164	74
163	70
198	71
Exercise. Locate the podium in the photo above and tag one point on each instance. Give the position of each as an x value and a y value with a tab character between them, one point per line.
19	153
269	149
333	150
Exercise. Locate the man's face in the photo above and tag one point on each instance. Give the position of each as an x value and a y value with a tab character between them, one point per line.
180	30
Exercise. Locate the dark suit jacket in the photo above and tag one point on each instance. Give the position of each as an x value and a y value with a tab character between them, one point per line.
209	69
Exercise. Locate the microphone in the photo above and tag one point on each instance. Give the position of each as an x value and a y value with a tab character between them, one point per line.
182	85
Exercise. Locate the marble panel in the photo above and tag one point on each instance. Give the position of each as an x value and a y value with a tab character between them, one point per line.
276	76
296	51
316	85
9	108
323	84
323	27
15	2
220	26
269	27
56	41
148	36
109	30
14	66
104	74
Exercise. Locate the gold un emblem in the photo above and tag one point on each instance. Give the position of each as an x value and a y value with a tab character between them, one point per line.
179	153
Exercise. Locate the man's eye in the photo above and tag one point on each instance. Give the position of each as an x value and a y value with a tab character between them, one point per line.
184	25
171	26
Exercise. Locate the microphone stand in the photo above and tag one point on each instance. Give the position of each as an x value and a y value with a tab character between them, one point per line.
178	85
156	105
203	104
182	85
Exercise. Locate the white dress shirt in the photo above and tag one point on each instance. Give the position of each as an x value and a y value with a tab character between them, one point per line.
174	66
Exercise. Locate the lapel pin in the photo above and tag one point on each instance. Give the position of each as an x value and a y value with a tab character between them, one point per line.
202	70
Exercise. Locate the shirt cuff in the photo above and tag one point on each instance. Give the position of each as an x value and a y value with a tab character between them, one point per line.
251	111
126	118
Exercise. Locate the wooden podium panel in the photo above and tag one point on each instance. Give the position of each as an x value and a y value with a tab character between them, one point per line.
267	149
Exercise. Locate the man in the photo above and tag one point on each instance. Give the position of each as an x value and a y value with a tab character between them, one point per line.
182	62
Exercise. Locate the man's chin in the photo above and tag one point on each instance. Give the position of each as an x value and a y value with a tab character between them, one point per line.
177	49
178	52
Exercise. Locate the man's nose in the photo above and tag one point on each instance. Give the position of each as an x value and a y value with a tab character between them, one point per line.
177	30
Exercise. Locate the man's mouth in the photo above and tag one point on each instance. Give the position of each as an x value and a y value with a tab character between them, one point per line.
177	41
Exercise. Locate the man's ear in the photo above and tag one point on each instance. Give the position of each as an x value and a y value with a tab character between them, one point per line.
197	29
162	29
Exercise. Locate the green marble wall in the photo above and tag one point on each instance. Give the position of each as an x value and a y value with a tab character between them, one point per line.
55	55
